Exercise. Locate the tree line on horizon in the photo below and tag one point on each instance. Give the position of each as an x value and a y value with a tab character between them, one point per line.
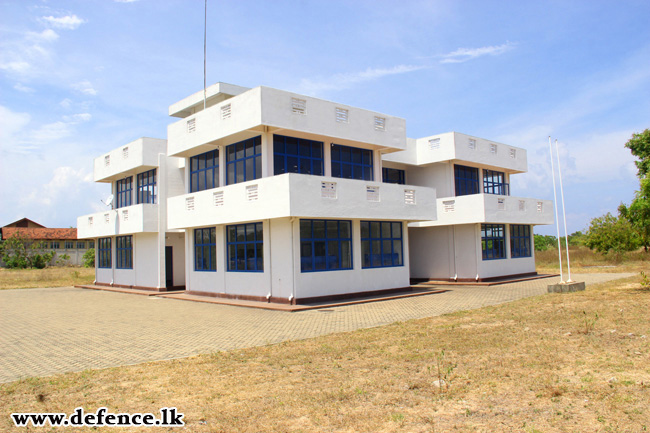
629	230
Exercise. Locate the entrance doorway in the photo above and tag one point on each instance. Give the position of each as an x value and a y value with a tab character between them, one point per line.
169	268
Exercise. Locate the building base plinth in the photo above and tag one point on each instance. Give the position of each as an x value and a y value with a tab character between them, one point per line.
566	287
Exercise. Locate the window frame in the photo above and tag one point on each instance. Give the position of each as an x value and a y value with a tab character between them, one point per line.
55	245
338	155
386	175
368	239
282	156
124	252
104	253
147	190
199	168
492	186
69	245
235	161
124	192
491	244
256	245
201	247
463	184
314	261
520	239
83	245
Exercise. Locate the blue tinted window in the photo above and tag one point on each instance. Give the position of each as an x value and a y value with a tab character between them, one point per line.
205	249
124	190
244	161
494	183
124	252
245	243
466	180
393	175
520	241
493	241
204	171
103	252
297	155
351	162
147	187
325	245
381	244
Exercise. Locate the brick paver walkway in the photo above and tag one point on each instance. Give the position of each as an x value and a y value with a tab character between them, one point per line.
57	330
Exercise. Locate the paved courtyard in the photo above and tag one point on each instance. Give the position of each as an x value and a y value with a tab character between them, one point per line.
57	330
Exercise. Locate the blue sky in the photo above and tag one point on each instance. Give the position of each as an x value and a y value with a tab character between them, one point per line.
79	78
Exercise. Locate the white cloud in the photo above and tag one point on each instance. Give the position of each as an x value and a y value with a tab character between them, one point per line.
464	54
11	124
22	88
66	182
68	22
85	87
78	118
66	103
344	81
17	67
47	35
50	132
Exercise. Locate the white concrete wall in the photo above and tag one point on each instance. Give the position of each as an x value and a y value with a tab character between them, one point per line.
454	146
282	277
485	208
320	119
135	157
447	251
145	272
127	220
439	176
299	195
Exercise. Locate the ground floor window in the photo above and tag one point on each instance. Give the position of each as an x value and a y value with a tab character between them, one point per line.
520	241
325	245
493	241
381	244
104	253
245	247
124	252
69	245
55	245
205	249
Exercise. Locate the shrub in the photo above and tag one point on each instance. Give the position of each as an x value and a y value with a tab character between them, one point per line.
89	258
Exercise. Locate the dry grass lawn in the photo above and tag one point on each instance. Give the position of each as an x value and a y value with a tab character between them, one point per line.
584	260
552	363
48	277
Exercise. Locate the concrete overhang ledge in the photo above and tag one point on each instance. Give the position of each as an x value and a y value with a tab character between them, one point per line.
219	91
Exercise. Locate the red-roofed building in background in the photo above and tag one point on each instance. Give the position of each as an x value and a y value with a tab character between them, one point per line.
61	241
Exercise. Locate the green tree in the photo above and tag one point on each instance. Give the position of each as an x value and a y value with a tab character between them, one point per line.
19	252
609	233
638	213
89	258
544	242
639	145
577	238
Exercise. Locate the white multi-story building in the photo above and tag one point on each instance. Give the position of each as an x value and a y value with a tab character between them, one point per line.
268	195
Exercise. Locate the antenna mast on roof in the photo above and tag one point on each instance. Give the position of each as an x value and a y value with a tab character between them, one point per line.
205	31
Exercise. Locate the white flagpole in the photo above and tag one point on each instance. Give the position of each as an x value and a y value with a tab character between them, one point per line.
205	40
557	222
566	234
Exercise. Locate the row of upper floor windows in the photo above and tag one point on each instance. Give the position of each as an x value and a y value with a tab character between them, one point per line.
145	188
466	181
290	155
